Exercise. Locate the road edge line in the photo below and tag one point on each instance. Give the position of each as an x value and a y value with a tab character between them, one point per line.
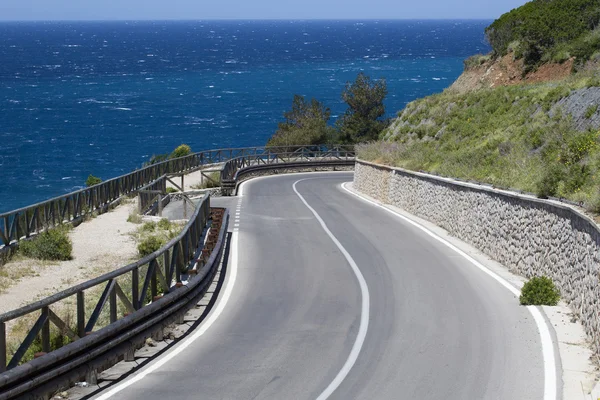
229	283
365	304
550	376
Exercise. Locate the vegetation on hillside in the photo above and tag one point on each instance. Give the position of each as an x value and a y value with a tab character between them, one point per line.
307	122
514	137
548	30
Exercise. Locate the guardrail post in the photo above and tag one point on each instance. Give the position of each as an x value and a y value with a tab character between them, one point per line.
46	330
112	298
154	281
135	288
160	205
80	314
2	347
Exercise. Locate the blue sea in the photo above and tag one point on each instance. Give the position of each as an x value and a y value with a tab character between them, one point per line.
103	97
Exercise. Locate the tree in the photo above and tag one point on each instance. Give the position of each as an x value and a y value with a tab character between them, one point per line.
305	124
181	151
92	180
363	118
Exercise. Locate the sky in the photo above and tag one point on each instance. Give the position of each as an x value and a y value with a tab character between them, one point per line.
11	10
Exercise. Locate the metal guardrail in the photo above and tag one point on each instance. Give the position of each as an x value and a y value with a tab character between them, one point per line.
302	156
24	222
141	297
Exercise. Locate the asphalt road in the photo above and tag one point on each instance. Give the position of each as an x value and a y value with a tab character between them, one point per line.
438	327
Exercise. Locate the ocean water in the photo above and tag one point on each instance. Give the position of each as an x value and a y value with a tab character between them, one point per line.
102	97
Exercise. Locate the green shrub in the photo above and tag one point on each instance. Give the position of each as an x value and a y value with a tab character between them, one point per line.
591	110
164	224
548	185
181	151
53	244
475	61
171	190
134	218
149	245
539	291
149	227
92	180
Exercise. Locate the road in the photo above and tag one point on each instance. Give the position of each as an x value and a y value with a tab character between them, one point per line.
438	327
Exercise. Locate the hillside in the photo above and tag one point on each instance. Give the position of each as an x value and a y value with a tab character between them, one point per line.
540	138
484	72
511	120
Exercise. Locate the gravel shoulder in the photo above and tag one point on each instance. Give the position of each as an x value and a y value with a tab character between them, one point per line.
101	244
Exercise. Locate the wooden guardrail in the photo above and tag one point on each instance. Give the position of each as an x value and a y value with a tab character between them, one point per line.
140	298
27	221
304	156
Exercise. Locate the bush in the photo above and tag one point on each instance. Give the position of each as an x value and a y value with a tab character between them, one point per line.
591	110
539	291
92	180
171	190
181	151
149	245
134	218
475	61
548	185
53	244
149	227
164	224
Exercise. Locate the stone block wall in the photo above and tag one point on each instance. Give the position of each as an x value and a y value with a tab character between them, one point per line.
529	236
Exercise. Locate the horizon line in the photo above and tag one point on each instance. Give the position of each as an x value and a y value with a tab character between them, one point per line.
244	19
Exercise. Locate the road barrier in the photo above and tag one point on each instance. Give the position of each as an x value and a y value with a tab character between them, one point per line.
138	300
301	157
72	207
149	293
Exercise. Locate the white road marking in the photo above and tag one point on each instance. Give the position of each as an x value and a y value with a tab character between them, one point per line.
364	315
550	379
232	270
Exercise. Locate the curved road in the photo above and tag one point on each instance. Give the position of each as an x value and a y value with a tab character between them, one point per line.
438	327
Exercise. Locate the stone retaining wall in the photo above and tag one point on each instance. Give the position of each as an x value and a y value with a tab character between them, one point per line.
529	236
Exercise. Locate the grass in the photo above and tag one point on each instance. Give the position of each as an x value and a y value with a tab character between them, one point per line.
18	268
213	182
505	136
134	218
151	236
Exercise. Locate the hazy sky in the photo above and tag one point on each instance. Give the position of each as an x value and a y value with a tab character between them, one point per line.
252	9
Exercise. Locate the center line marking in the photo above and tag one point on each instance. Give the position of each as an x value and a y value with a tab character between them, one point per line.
364	315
